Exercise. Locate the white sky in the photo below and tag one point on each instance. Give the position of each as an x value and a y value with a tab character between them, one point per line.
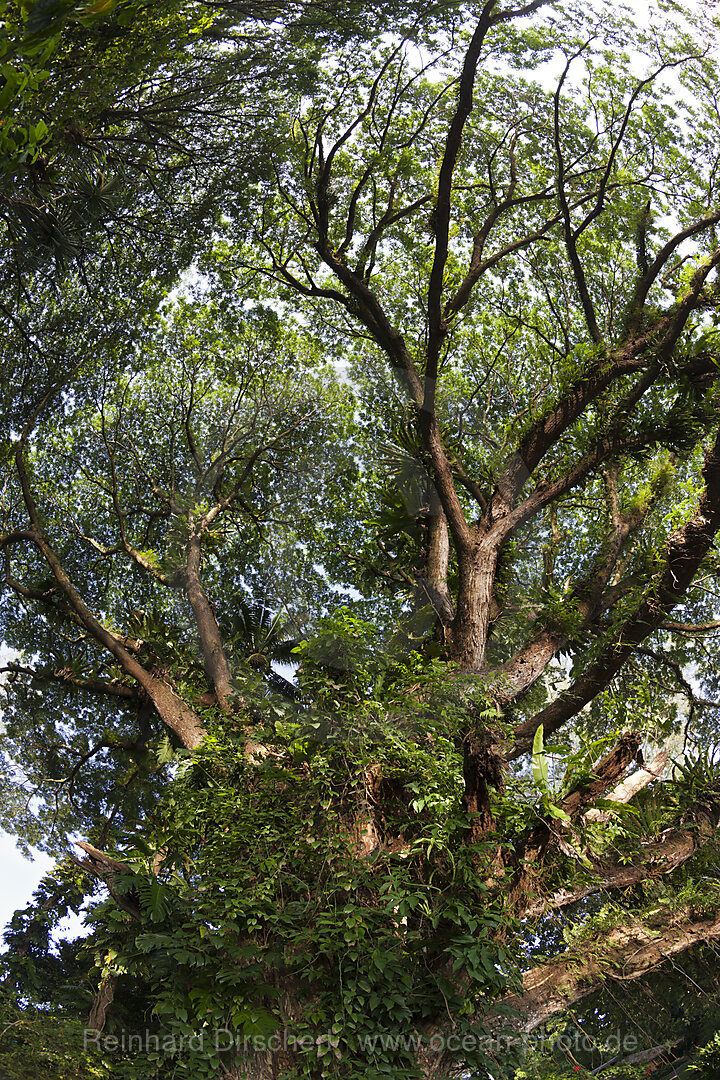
19	877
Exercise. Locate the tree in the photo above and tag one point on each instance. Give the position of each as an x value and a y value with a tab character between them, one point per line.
440	394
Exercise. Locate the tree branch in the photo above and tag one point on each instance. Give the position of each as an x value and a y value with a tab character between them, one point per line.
529	662
570	235
530	852
655	859
605	448
435	582
371	314
629	788
690	628
173	711
216	662
647	280
441	217
65	677
685	550
653	348
625	953
106	869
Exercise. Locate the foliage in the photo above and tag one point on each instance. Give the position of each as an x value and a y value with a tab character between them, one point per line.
264	882
360	494
38	1043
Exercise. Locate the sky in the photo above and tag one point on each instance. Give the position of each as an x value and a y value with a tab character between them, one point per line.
19	877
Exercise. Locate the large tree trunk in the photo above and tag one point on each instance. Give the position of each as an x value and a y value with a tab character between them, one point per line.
476	578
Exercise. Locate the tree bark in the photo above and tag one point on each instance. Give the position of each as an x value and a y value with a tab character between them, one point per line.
685	551
477	564
101	1003
438	560
216	663
625	954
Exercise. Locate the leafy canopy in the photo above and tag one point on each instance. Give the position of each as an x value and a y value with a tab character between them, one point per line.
361	486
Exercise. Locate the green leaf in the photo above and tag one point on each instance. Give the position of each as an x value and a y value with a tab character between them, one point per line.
540	767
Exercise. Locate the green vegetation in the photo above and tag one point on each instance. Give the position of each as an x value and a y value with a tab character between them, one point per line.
360	499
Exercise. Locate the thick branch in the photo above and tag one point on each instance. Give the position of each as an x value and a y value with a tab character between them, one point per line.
549	429
607	447
101	1003
655	859
629	788
685	551
173	711
437	328
370	312
625	953
434	581
106	869
529	662
213	651
441	217
604	773
68	678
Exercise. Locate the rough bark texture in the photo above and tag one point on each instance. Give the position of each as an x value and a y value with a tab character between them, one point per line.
101	1003
474	604
623	954
216	663
437	569
482	771
625	791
